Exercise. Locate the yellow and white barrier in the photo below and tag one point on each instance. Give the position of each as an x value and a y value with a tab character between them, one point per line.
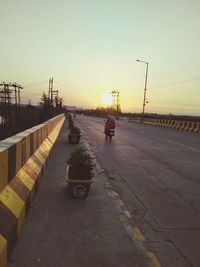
22	160
190	126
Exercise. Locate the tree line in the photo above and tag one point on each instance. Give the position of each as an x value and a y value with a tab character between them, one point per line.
27	116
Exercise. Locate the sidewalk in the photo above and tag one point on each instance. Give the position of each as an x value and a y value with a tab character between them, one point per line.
64	232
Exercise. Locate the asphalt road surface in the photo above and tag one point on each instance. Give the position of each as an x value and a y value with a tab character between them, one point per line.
142	210
64	232
156	172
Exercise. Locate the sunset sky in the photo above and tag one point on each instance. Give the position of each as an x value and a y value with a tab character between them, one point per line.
90	48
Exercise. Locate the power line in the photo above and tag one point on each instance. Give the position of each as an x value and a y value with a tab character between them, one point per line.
37	83
174	83
168	109
176	72
67	85
176	103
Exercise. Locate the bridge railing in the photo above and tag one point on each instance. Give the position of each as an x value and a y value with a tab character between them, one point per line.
22	160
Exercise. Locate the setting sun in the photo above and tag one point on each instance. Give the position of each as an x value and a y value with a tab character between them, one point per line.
106	99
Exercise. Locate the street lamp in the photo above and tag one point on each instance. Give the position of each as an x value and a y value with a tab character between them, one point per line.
145	85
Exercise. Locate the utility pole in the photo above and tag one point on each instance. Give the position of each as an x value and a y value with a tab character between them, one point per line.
116	101
52	94
16	90
113	98
145	87
145	84
6	103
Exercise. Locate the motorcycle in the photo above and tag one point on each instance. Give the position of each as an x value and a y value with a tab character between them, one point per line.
109	133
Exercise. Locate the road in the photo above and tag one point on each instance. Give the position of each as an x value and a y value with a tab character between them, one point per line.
60	231
155	171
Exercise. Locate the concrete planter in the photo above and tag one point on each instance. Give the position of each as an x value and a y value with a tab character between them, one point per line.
74	138
78	188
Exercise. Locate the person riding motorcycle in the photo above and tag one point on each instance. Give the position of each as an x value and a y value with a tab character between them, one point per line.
109	125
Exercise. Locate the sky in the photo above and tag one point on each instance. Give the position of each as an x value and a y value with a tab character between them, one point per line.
90	48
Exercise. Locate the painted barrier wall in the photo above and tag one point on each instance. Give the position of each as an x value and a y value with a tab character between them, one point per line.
189	126
22	161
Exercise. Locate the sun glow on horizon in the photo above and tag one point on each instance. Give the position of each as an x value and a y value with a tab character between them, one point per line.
106	99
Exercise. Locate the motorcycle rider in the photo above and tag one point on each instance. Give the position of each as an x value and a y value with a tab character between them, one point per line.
109	124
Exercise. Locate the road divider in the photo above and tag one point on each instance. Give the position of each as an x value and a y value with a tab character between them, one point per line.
190	126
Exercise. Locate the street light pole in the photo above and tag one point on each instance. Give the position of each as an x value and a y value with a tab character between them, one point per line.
145	85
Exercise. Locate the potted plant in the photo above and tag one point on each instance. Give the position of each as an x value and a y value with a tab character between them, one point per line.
79	173
70	121
74	135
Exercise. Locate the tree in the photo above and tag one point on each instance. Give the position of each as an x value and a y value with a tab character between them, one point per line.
47	109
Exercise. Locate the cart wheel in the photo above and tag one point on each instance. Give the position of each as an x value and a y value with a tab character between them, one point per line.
80	191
